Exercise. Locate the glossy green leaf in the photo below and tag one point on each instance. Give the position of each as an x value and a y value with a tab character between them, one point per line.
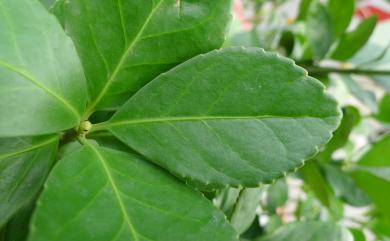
42	87
384	109
234	116
309	231
373	174
352	42
244	211
341	13
125	44
345	187
24	165
110	195
319	29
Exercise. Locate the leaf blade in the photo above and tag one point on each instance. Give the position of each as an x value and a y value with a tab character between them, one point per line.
350	43
164	116
27	83
145	40
132	192
24	165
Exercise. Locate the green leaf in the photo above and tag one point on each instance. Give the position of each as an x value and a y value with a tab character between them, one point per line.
309	231
233	116
17	229
303	9
110	195
315	180
47	3
352	42
24	165
341	13
277	195
372	174
384	109
365	96
351	117
226	199
245	209
310	208
358	234
125	44
345	187
41	80
319	29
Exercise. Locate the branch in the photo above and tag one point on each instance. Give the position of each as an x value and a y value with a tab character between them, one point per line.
323	70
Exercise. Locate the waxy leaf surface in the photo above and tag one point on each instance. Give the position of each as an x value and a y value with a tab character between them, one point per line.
42	86
234	116
24	165
100	194
125	44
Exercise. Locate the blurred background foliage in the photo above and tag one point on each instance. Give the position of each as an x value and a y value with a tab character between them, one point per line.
343	193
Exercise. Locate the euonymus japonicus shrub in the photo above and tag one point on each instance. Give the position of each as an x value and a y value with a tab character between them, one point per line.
172	115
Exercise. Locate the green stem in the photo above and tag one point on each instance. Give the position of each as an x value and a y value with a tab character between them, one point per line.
313	70
99	127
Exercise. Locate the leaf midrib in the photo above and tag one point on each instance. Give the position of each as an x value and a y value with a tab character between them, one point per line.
122	60
30	148
202	118
117	193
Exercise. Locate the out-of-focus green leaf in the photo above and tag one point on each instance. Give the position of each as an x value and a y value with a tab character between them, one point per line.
351	42
358	234
277	195
244	211
303	9
314	179
384	109
302	50
319	29
226	199
244	38
340	12
274	223
309	209
345	187
309	231
253	232
365	96
372	174
381	226
351	117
